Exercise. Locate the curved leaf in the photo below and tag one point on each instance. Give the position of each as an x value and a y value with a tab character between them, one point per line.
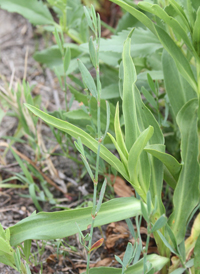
157	262
133	160
169	161
129	107
56	225
86	139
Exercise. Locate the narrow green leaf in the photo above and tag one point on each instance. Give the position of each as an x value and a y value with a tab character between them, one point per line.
108	118
157	262
130	227
196	33
180	12
178	90
169	161
27	249
159	223
67	59
102	192
178	271
56	225
172	237
89	20
33	195
181	61
136	13
144	212
149	97
129	107
117	258
170	21
166	243
87	167
92	52
186	195
93	15
176	53
149	203
190	263
191	14
80	97
133	160
87	78
118	133
128	254
121	154
58	41
86	139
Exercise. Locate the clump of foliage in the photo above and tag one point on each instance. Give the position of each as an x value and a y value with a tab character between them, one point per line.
162	45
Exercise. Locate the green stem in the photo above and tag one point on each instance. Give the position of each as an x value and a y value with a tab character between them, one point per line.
98	152
89	246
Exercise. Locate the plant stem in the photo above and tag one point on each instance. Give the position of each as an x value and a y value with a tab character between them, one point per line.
99	146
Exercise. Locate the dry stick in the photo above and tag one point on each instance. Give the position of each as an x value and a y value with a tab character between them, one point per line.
34	165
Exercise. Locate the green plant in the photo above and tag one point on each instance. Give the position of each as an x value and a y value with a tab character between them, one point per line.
142	152
138	138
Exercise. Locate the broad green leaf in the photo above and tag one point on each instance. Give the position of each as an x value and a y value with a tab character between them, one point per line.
129	107
197	256
86	139
169	161
35	11
186	195
56	225
143	42
178	90
87	78
133	160
196	33
157	262
170	21
146	118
